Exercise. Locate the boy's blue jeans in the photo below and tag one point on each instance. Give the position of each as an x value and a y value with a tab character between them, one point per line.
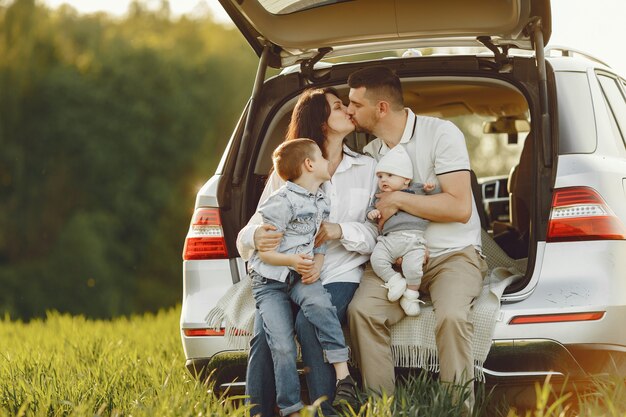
320	378
273	301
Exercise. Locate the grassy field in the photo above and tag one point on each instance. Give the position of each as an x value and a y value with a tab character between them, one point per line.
70	366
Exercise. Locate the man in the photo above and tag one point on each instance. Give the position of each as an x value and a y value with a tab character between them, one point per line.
455	270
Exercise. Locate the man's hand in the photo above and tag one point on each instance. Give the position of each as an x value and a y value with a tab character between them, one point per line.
387	206
397	265
328	231
266	238
302	263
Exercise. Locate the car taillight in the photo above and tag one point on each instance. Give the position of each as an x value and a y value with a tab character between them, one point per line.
559	317
203	332
205	239
580	213
214	332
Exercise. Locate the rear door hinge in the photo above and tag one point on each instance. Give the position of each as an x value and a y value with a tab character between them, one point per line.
307	66
500	54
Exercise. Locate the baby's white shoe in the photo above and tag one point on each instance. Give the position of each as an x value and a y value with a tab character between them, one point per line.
410	302
396	286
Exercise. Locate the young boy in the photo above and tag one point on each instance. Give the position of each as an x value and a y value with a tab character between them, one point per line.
402	235
297	209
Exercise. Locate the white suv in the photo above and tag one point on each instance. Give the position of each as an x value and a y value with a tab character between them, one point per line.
555	196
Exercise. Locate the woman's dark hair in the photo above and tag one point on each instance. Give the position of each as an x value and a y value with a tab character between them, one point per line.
310	116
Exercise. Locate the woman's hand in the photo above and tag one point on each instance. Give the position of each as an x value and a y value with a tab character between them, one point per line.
328	231
266	238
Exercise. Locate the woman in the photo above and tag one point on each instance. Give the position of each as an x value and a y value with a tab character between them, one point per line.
319	115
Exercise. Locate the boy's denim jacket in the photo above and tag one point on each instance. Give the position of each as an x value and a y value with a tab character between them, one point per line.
297	213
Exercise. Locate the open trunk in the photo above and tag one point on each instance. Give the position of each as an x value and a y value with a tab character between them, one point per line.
477	95
490	98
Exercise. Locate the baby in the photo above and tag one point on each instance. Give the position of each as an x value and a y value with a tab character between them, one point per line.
402	235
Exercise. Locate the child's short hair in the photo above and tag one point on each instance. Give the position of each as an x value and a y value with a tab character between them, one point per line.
290	155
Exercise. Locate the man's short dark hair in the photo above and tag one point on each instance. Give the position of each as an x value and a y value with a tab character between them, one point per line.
381	84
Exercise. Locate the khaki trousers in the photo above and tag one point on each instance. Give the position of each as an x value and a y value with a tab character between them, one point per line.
453	281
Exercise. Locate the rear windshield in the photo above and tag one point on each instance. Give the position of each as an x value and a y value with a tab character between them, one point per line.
577	125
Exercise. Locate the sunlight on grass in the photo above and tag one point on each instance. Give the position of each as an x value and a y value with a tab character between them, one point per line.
70	366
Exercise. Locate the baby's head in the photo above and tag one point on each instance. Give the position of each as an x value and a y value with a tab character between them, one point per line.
394	170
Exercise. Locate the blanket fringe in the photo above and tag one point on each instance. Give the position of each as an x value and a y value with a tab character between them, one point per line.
479	373
236	340
234	313
214	318
413	356
237	335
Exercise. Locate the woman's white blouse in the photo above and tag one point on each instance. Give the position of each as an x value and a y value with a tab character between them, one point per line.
350	191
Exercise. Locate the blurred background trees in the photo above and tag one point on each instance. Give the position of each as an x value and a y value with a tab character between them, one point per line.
108	126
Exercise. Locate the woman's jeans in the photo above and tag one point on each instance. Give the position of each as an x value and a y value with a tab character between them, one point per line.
260	378
273	301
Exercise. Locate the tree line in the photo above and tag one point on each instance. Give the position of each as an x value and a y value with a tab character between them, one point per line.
108	126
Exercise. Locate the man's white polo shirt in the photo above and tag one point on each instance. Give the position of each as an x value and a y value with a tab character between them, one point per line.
436	147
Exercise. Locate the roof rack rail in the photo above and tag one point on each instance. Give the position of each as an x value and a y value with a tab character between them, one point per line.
567	51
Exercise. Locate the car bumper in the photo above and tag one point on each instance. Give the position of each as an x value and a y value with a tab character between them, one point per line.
226	370
510	362
535	359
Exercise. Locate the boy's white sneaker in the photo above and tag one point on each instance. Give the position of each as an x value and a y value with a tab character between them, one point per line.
396	287
410	302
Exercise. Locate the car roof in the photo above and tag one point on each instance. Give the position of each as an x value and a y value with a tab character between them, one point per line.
568	59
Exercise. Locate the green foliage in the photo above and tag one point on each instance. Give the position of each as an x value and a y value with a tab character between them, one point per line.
107	128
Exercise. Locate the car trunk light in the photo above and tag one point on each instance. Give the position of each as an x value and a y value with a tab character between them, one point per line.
205	239
580	213
203	332
554	318
214	332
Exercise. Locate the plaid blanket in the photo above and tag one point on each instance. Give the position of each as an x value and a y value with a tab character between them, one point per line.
413	338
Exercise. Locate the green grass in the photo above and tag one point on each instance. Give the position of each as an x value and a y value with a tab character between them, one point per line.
70	366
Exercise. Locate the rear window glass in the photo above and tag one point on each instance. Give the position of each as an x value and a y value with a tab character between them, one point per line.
615	100
577	125
291	6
